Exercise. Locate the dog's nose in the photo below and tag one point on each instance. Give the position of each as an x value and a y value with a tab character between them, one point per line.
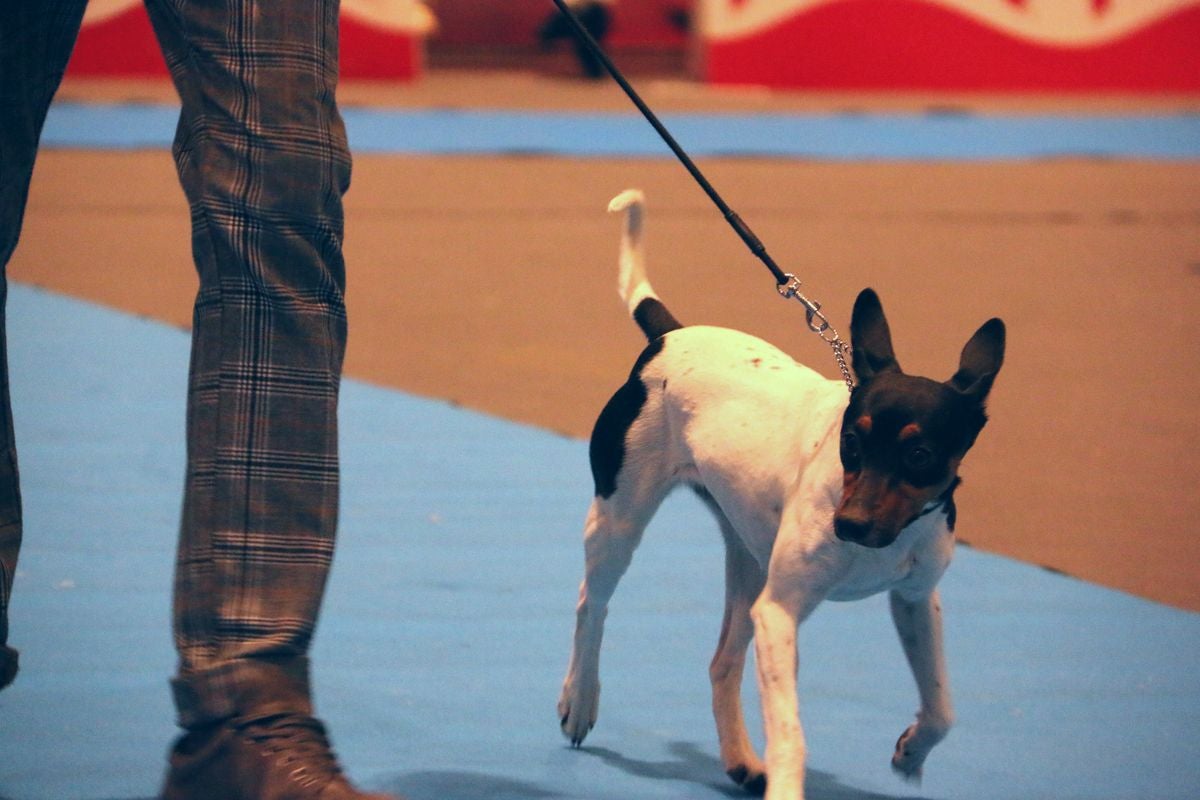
851	530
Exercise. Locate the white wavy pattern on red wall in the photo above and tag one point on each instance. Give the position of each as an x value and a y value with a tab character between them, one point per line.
1058	23
407	16
381	39
931	45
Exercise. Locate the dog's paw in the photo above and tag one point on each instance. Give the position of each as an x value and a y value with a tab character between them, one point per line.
752	778
577	713
911	749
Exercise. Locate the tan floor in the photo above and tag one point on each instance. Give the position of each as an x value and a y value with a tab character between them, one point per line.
490	282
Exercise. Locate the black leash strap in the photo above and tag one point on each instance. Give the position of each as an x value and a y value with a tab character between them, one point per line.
742	229
787	284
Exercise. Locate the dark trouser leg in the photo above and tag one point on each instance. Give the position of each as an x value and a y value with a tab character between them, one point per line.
262	157
35	43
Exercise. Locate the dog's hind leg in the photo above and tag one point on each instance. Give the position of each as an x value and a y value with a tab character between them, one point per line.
613	531
744	580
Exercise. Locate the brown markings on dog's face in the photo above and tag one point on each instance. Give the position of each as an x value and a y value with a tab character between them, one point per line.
863	425
875	508
901	447
903	435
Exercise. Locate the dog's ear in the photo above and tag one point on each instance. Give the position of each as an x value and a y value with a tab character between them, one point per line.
870	338
981	360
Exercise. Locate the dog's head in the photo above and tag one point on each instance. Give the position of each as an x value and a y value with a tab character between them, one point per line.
903	436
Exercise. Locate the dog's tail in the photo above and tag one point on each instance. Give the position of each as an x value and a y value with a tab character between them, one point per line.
644	306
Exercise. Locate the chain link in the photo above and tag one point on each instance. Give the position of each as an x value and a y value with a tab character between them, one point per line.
840	349
818	324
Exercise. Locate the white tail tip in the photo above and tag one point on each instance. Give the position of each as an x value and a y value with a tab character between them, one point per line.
625	199
631	277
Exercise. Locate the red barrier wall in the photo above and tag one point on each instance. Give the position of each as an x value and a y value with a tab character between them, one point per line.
122	44
953	45
642	23
960	45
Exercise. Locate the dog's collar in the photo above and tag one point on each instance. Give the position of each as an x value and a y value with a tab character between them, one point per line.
944	501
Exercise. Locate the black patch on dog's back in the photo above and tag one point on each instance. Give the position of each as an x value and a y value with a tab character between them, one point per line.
607	449
654	319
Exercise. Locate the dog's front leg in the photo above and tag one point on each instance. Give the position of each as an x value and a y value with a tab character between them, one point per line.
795	586
919	623
775	649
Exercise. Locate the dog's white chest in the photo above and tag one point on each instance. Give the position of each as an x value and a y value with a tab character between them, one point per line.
912	564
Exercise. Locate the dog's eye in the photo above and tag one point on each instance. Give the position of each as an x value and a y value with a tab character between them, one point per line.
918	458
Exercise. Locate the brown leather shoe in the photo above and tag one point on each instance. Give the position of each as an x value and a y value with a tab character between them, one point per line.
281	757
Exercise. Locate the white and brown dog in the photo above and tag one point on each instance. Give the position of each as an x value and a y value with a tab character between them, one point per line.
818	496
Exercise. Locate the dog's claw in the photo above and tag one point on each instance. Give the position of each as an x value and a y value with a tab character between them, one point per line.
577	741
754	783
911	749
574	724
756	786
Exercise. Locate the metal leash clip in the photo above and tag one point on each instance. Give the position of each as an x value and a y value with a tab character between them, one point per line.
818	324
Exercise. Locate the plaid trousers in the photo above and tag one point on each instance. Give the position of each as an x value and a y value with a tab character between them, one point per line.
262	157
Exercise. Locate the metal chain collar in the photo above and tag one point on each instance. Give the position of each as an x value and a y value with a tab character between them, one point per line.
818	324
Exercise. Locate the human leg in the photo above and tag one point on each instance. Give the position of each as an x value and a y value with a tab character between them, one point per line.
35	44
262	158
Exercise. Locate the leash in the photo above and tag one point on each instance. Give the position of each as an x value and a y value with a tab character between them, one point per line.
787	284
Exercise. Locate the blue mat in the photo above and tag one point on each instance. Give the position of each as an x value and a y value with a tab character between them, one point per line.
450	609
844	137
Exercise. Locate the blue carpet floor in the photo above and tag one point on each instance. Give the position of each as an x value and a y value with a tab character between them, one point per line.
450	609
836	137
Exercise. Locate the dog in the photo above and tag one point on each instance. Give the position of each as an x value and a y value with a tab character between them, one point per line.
819	496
